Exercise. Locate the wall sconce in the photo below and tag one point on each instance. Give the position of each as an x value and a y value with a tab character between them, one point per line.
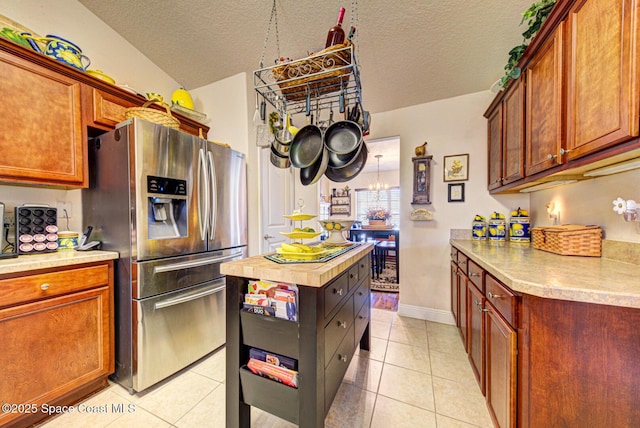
553	213
629	209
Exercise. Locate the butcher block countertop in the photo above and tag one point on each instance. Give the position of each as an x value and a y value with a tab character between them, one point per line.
582	279
28	263
309	274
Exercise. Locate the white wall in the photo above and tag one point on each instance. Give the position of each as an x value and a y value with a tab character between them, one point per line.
452	126
590	202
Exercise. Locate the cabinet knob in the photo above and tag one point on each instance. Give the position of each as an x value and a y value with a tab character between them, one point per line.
475	274
44	286
362	317
475	302
342	324
483	310
493	296
342	358
563	151
338	291
550	156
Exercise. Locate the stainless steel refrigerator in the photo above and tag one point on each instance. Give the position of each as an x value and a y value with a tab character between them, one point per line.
175	207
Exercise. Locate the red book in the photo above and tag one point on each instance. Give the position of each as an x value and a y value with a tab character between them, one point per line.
279	374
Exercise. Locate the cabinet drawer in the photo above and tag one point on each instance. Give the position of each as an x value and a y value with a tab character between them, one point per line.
364	267
476	275
353	275
454	255
337	368
361	295
335	292
503	299
33	287
462	262
361	321
270	333
336	329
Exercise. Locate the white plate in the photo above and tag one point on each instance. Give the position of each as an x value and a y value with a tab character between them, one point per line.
129	89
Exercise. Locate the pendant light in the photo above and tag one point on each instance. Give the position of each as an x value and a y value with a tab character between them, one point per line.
378	185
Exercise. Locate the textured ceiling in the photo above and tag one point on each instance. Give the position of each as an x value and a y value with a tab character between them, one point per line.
410	51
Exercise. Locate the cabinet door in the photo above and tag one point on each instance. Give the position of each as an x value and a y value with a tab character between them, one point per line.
495	148
42	140
544	106
602	92
57	345
476	334
513	133
107	110
463	308
501	367
455	294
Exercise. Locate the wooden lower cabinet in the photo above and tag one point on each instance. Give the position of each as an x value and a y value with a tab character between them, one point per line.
455	294
501	368
58	348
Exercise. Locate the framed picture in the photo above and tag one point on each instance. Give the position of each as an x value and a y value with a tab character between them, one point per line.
421	180
456	192
456	167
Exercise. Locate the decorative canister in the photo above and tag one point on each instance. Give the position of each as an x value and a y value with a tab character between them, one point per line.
479	228
497	227
67	240
519	226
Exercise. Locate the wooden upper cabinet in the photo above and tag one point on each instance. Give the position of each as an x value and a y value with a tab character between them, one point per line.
602	74
42	138
544	106
495	147
513	133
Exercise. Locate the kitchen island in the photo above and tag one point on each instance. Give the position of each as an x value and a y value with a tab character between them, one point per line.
333	319
552	339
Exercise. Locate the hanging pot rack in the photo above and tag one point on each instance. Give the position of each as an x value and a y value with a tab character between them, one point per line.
320	82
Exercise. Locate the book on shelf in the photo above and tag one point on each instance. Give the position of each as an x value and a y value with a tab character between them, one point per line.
273	358
279	374
281	297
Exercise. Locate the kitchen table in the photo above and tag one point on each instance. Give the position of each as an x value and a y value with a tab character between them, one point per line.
391	234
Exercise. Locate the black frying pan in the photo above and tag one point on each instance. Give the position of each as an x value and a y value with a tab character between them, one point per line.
350	171
306	147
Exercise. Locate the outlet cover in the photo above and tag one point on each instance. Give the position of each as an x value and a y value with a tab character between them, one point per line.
62	207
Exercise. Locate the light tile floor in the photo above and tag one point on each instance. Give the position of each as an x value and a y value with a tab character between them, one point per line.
415	375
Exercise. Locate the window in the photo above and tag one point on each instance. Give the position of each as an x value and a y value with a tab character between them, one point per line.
389	200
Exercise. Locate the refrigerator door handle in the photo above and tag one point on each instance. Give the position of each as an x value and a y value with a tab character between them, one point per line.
189	297
212	194
202	216
195	263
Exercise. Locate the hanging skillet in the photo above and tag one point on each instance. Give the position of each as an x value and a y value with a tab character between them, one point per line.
349	172
343	137
306	147
312	174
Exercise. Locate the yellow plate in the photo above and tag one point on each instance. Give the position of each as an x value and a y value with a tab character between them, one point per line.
301	256
300	216
300	235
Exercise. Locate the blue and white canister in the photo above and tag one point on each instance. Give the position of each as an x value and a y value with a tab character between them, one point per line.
519	229
497	230
479	228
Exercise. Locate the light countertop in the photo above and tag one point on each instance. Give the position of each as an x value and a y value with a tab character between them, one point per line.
527	270
27	263
309	274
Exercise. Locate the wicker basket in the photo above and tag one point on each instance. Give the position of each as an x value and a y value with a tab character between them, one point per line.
153	115
569	240
324	72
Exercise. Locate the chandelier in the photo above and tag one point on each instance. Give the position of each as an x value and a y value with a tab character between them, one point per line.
378	186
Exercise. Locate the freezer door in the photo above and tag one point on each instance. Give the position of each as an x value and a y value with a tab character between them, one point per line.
227	221
154	277
174	330
167	221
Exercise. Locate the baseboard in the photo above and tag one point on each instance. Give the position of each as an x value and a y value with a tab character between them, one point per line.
420	312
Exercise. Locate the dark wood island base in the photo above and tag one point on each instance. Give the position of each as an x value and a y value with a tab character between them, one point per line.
333	319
